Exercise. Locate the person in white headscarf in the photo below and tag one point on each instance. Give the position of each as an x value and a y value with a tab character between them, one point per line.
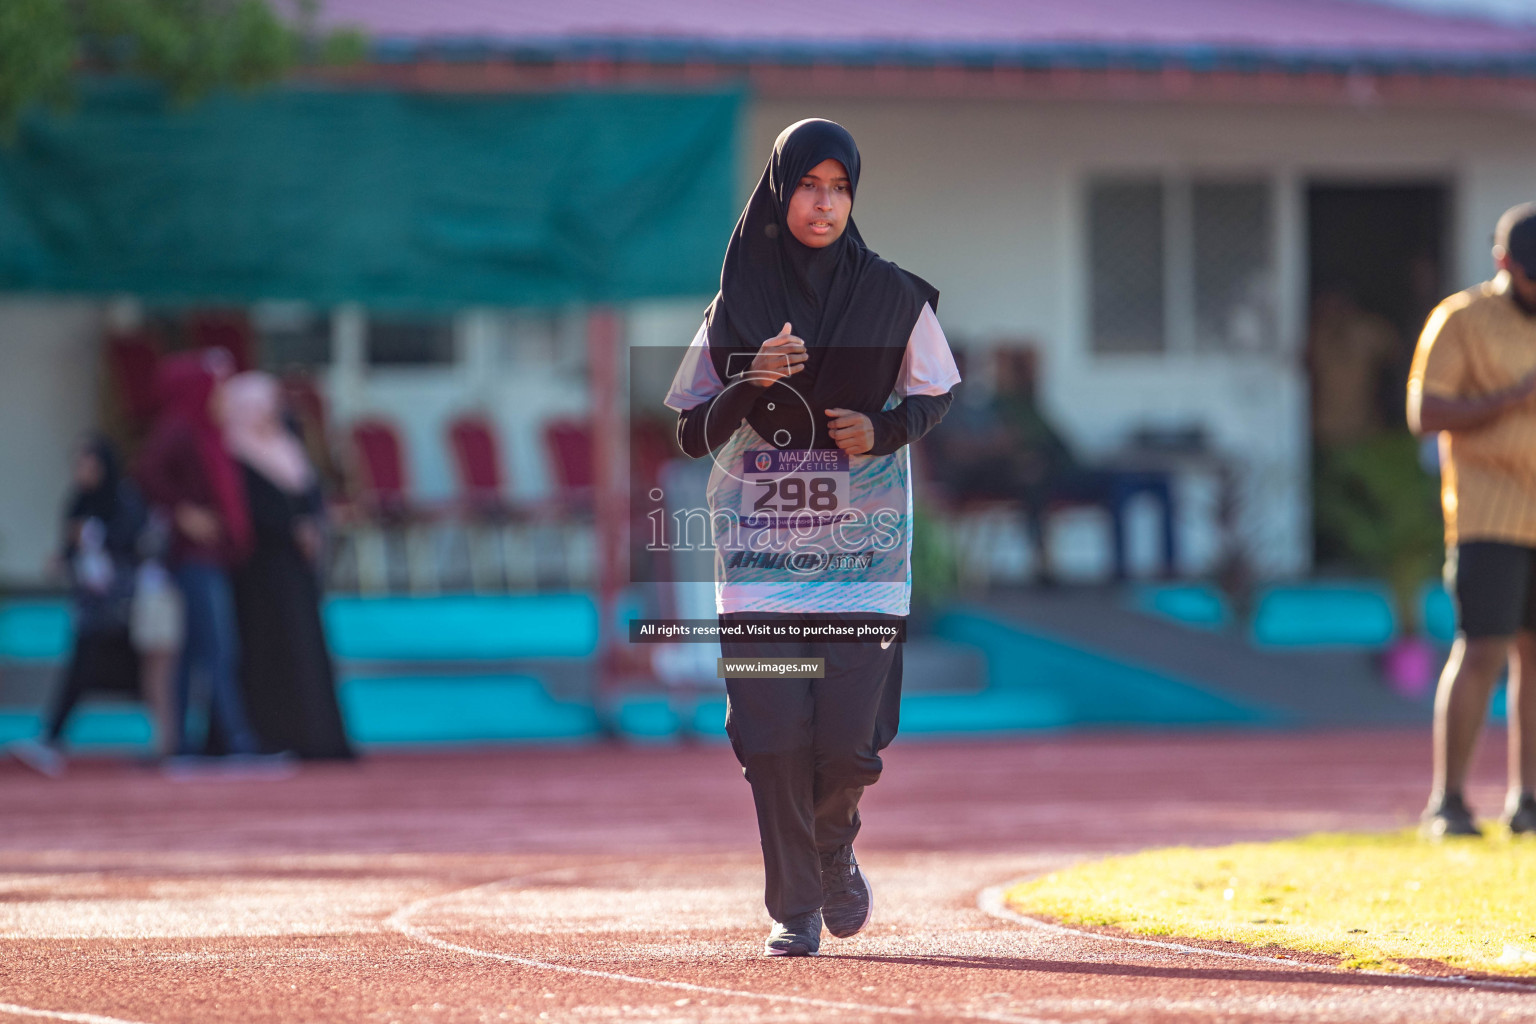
285	664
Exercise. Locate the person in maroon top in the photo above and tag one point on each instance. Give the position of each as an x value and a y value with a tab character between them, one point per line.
186	474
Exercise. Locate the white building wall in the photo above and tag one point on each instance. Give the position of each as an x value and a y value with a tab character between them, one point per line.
984	199
1493	179
48	389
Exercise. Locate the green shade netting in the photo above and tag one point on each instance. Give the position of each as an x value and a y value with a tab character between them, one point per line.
388	199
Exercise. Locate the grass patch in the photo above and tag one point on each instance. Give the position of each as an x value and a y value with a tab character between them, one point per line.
1371	900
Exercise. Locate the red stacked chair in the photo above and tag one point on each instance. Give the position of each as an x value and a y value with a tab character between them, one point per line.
569	444
387	506
485	507
381	470
477	458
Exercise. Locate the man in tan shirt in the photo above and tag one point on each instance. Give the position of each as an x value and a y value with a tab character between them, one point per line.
1473	382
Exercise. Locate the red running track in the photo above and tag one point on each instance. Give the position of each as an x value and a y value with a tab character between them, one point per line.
608	883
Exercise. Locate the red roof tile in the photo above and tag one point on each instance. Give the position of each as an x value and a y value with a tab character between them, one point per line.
1328	30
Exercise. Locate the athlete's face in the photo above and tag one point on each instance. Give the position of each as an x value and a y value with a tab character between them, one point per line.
820	205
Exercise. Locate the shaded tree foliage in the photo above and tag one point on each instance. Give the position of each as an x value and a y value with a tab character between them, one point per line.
191	47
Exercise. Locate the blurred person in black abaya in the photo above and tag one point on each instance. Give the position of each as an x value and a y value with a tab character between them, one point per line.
285	668
103	519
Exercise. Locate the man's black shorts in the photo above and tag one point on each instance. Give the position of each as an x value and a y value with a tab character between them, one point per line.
1494	584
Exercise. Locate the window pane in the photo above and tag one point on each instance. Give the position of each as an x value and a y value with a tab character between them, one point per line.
1125	253
1234	279
291	336
409	340
528	336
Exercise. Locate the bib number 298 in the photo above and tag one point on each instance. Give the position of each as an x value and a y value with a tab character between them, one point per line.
782	488
796	493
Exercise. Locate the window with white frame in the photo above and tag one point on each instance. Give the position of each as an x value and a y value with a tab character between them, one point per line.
1233	272
396	339
292	335
528	336
547	339
1126	279
1180	264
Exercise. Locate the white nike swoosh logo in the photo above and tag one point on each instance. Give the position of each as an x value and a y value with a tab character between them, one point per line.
886	642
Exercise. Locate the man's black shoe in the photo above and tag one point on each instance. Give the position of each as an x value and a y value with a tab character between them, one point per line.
846	899
799	936
1520	814
1449	816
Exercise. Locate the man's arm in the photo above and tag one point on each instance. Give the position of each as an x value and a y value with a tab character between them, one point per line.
1440	377
1429	414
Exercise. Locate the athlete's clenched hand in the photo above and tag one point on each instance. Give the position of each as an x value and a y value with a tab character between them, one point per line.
781	355
852	431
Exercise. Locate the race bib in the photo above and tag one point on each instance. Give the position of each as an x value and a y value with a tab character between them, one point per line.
803	487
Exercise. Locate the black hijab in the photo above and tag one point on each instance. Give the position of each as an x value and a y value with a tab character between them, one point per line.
854	310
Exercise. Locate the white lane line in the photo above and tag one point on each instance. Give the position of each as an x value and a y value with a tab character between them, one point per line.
400	921
991	901
74	1018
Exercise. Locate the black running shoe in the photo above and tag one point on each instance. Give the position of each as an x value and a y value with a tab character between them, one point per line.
1450	816
799	936
1520	813
846	899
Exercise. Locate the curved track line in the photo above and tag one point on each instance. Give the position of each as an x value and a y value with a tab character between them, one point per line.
400	921
990	901
74	1018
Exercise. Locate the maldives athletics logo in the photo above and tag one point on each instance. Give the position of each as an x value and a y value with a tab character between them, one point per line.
764	461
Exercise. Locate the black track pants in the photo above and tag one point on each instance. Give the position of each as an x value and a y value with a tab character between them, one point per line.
809	747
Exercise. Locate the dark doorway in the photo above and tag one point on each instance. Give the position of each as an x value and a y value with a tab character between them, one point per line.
1383	243
1376	262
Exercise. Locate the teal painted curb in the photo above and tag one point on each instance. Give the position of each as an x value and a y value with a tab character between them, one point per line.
1437	613
449	627
1349	615
408	710
35	630
462	628
125	728
1073	686
1196	605
648	720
